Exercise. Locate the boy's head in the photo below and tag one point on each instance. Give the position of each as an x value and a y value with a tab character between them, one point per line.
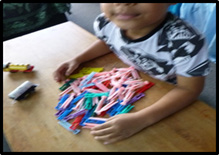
134	16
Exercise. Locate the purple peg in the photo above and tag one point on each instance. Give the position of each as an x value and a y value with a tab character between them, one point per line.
71	116
135	98
59	112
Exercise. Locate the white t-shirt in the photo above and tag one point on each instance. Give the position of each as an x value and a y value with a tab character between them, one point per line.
173	48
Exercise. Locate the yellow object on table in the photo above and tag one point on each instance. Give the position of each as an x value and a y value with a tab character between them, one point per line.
85	71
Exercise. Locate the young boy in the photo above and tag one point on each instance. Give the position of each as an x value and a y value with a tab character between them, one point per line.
156	42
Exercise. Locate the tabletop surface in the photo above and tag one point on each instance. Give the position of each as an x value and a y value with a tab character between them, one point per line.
30	124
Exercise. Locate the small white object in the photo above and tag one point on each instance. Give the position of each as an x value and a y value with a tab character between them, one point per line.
21	91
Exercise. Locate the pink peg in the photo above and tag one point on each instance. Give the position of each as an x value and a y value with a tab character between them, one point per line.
95	101
93	90
116	93
67	90
135	74
107	106
66	103
74	86
101	86
128	96
79	104
100	104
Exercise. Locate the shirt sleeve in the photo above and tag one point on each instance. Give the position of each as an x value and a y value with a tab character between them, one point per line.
99	24
191	57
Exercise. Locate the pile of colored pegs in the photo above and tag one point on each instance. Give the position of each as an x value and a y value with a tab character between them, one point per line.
87	100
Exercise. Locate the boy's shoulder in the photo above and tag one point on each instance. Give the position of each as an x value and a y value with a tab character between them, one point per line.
101	21
177	33
176	28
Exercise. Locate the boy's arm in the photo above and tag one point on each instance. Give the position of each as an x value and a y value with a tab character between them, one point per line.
125	125
98	48
185	93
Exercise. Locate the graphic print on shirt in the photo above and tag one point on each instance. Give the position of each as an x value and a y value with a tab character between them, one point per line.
183	43
180	40
102	22
147	62
201	69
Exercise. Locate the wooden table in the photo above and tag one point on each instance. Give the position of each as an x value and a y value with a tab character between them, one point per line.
30	125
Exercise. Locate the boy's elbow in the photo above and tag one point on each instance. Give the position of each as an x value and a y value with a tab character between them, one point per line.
193	85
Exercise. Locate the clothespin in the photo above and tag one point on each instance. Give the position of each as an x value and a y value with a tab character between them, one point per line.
67	125
87	85
74	86
103	73
101	86
76	122
84	71
79	104
145	87
66	85
91	90
96	94
79	97
87	79
88	70
110	92
59	112
126	109
75	76
103	113
117	83
64	114
95	101
116	93
132	82
100	104
89	125
106	107
135	98
95	120
134	73
67	90
67	101
88	103
72	116
88	114
119	108
128	96
107	83
114	109
62	100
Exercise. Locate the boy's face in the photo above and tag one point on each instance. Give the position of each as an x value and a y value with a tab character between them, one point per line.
134	16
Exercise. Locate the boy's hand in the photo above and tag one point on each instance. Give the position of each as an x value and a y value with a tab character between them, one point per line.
117	128
96	49
64	69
